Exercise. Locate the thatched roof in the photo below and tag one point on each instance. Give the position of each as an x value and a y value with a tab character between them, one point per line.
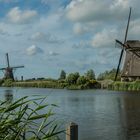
131	67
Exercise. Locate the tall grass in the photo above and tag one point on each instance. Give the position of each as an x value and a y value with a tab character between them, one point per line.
24	120
125	86
40	84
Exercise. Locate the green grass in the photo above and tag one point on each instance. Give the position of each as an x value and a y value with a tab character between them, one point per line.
58	84
40	84
125	86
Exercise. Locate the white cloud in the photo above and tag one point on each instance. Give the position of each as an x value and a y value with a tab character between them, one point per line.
16	15
92	15
3	32
38	36
9	1
47	2
52	53
33	50
91	10
105	38
80	29
120	3
82	45
134	31
47	38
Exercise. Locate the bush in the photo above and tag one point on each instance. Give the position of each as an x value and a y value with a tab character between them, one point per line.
8	83
72	78
1	82
81	80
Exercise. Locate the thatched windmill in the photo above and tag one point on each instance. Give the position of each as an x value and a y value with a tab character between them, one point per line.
131	67
8	71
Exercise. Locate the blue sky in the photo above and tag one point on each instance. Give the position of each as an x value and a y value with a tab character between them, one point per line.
74	35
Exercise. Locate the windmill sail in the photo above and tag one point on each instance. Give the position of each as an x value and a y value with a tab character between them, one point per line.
122	51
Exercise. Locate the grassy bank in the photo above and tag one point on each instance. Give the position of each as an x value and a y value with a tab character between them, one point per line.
56	84
125	86
39	84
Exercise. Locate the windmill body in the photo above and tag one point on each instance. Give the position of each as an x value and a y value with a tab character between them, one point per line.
8	71
131	66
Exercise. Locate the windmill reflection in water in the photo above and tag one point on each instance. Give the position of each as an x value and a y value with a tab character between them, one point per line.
8	95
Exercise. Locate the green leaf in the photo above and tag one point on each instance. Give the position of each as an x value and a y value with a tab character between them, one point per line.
21	99
41	107
41	116
53	134
12	107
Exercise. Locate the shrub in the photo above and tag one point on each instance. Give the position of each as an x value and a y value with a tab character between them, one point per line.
81	80
8	83
72	78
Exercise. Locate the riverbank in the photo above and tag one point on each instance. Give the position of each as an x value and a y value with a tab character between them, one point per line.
55	84
125	86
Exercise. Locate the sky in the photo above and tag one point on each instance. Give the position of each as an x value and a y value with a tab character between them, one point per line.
47	36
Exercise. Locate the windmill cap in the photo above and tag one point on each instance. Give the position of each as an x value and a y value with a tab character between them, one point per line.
133	43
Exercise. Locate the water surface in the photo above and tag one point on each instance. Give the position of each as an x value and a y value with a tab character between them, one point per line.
100	114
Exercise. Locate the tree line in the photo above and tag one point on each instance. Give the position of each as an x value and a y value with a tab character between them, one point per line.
75	77
77	81
109	75
72	78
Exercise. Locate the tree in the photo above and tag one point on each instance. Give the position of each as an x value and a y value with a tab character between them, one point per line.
81	80
62	75
90	75
72	78
110	75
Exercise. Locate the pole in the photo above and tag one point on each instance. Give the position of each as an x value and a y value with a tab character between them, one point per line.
72	132
7	58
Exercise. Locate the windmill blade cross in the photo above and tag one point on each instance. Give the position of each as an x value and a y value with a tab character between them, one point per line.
122	51
128	48
17	67
2	68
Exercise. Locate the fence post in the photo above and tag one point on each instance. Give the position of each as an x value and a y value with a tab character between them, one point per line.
72	131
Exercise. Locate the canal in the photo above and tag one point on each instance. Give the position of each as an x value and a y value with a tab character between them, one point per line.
100	114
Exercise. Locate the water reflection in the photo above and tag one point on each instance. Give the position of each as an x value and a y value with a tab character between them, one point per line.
132	117
8	95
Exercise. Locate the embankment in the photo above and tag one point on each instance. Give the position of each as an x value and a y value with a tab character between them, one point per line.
56	84
125	86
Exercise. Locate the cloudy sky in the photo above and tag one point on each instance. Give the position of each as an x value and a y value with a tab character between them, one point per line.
75	35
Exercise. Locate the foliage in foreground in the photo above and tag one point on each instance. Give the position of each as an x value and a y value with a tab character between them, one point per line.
24	120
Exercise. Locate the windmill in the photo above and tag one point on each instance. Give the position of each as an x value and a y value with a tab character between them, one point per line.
131	67
122	51
8	71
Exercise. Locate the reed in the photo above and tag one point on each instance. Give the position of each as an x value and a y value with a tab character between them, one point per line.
125	86
23	120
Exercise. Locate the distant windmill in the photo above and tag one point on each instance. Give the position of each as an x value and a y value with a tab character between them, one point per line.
131	67
8	71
